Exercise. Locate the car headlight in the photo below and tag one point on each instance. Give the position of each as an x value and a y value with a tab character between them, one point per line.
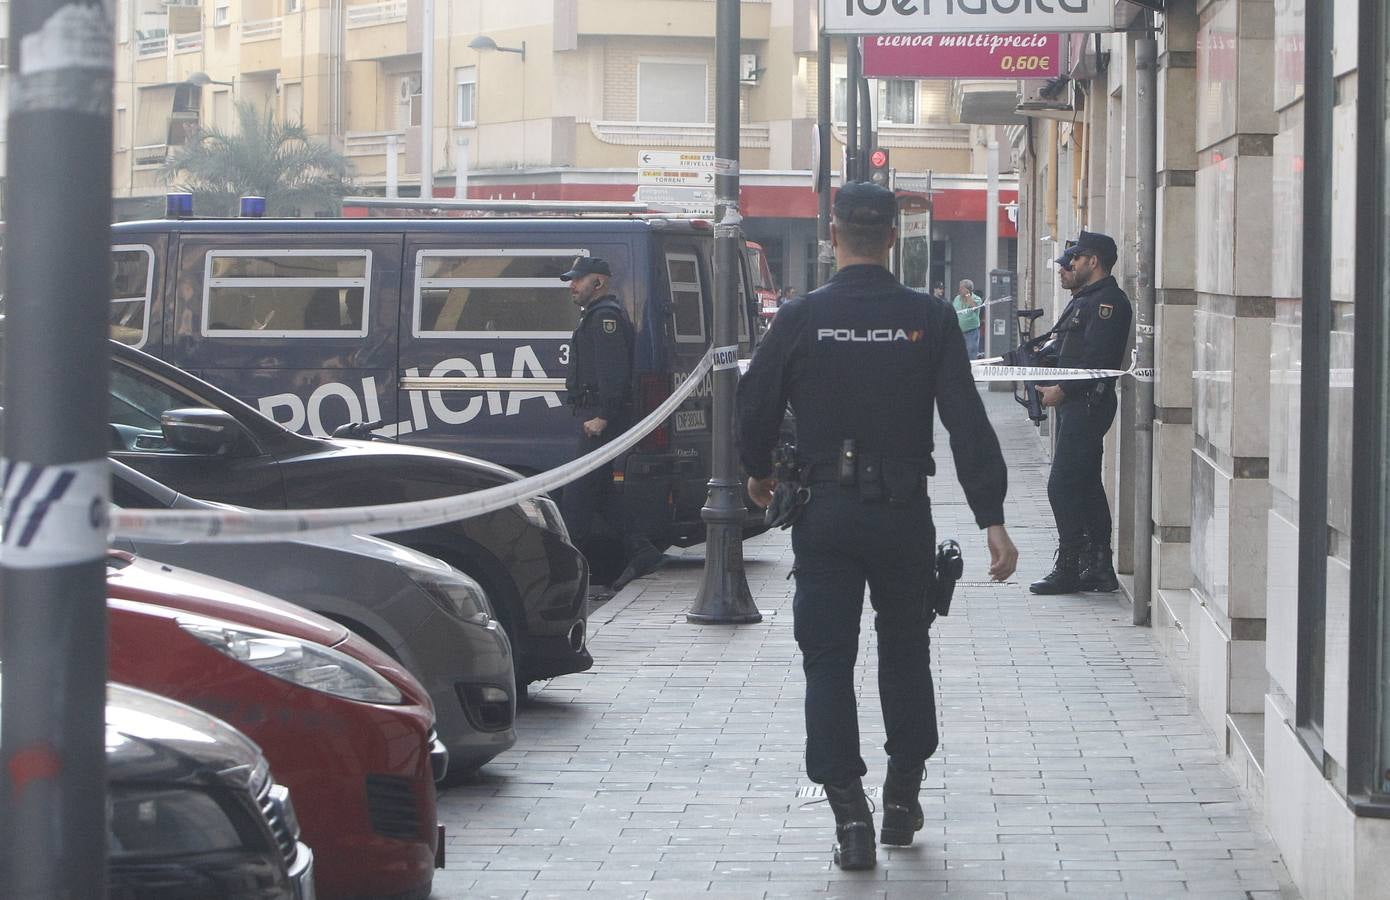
455	593
543	513
312	666
164	823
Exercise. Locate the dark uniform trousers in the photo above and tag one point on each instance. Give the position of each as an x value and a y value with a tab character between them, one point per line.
865	359
589	503
842	543
1075	488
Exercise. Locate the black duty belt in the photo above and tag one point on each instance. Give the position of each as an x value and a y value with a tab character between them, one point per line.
878	476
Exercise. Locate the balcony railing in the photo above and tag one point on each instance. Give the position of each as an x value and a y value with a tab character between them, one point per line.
261	29
372	143
146	48
187	43
151	154
369	14
917	137
674	134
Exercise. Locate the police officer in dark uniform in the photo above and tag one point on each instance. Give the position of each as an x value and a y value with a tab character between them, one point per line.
600	391
863	361
1091	333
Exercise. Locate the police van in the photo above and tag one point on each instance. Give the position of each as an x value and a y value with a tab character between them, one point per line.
450	333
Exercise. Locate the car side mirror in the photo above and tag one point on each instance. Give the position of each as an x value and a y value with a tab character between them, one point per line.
207	432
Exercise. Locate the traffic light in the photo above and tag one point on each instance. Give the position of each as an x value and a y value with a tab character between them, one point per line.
878	167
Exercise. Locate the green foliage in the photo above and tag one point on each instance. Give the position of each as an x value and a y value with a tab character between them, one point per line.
264	158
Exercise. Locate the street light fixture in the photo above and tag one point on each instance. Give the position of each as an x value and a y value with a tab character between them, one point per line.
201	79
483	42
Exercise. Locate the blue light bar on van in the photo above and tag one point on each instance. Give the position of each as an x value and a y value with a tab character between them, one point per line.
252	207
178	206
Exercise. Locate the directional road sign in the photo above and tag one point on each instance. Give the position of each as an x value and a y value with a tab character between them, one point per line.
694	201
675	177
674	159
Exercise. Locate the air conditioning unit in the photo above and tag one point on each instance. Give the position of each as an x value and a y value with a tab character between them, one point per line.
748	70
410	86
1053	98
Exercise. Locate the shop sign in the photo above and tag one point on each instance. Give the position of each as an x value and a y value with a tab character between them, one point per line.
981	56
970	16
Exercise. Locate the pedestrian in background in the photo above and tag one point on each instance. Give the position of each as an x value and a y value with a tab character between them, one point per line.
939	291
837	356
968	305
1091	333
599	383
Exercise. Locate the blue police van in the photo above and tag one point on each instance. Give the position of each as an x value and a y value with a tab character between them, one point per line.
450	333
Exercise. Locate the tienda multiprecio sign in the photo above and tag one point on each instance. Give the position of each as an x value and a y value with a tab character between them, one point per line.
1003	56
975	16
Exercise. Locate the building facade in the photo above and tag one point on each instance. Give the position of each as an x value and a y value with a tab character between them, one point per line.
535	99
1267	531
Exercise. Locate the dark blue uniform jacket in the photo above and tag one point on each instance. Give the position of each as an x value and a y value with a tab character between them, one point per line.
600	374
1092	333
865	358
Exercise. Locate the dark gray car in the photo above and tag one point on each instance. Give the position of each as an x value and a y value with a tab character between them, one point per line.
432	618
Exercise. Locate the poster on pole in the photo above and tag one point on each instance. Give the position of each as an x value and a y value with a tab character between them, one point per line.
969	16
974	56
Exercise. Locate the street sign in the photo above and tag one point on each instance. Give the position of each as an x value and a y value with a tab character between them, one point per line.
926	17
695	201
674	177
674	159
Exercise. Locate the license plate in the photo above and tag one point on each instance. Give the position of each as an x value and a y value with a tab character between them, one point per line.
691	420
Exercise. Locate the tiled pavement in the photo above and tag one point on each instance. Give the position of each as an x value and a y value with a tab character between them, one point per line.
1071	761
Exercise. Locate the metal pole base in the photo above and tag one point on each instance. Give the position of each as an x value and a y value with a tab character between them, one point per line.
724	597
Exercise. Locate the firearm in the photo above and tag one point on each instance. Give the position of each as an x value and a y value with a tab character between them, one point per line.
949	567
1039	351
790	495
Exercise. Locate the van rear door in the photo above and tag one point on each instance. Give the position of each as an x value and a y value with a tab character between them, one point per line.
300	325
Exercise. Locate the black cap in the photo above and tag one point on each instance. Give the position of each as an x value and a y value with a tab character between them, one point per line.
1102	245
862	203
587	265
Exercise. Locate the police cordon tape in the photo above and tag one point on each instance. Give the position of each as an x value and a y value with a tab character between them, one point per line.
262	525
989	370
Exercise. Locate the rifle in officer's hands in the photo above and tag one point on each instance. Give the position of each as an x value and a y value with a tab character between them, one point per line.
790	496
1033	352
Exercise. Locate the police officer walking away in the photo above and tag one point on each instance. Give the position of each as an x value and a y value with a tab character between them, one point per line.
1091	333
863	361
600	391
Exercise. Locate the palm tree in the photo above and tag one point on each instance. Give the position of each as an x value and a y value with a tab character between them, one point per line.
264	158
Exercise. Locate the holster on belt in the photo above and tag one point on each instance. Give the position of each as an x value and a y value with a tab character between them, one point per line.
790	496
948	570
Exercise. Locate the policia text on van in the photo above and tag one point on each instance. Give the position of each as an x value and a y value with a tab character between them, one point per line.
449	333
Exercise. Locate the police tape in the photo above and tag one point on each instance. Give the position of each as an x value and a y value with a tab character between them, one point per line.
262	525
988	370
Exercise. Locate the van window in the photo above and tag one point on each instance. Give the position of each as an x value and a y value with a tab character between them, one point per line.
494	293
687	312
286	293
132	275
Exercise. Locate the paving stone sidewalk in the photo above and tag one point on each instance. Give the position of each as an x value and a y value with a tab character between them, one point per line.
1071	760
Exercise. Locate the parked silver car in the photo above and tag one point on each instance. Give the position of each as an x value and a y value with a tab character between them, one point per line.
432	618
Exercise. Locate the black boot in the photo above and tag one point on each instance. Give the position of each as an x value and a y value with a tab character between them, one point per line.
643	559
902	808
854	826
1065	577
1098	573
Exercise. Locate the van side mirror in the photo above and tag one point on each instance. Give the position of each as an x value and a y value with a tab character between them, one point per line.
207	432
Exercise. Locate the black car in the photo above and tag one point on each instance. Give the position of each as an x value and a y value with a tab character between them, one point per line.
200	441
193	810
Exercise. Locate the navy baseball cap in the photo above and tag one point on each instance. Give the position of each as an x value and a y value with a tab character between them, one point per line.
1102	245
863	203
587	265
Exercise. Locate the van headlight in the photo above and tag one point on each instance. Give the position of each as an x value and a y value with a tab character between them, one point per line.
307	665
543	513
455	593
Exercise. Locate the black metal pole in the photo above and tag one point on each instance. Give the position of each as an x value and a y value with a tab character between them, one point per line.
853	75
866	125
1319	98
724	597
825	258
52	570
1368	731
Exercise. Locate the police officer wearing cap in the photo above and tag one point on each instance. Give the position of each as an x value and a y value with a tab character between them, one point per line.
600	391
864	361
1091	333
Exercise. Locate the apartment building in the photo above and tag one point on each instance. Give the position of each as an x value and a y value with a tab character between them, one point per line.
542	99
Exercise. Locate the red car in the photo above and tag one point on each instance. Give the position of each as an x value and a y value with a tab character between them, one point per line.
344	727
